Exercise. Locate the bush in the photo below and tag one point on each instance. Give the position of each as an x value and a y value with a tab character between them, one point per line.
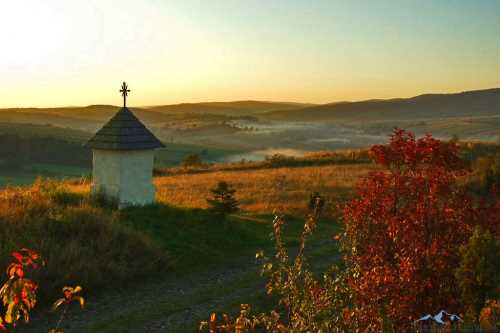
405	229
478	275
306	303
400	248
486	173
192	160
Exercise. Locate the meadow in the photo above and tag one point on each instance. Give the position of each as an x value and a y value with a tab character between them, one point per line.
202	263
263	191
88	242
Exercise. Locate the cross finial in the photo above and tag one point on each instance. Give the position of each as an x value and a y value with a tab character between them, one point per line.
124	92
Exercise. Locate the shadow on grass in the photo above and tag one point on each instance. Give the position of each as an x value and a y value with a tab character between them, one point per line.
195	237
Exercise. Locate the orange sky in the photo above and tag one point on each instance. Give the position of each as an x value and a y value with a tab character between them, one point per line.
60	53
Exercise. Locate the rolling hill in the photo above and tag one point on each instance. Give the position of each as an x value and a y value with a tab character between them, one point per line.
477	103
152	113
236	108
90	118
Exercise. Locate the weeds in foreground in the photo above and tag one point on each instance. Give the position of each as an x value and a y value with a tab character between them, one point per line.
19	293
326	304
70	295
400	248
307	303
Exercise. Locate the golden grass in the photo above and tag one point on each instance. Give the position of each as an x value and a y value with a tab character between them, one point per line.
259	191
262	191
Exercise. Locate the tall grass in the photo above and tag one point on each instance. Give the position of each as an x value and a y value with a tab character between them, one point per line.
80	242
88	242
262	191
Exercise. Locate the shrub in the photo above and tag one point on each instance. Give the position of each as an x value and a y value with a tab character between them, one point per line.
316	201
478	275
486	173
400	248
279	160
192	160
306	303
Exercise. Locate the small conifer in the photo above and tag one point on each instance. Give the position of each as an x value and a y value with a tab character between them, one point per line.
223	201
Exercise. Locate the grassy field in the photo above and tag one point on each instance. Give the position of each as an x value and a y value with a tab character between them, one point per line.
175	242
263	191
100	247
40	216
165	267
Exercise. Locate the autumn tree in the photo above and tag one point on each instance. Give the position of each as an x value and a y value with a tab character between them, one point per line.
223	200
404	230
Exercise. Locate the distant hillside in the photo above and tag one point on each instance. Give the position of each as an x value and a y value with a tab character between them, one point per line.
430	106
91	117
36	130
229	108
44	117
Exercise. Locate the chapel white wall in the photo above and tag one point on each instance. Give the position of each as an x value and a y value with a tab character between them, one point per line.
125	175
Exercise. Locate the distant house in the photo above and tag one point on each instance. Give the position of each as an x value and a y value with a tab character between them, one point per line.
123	155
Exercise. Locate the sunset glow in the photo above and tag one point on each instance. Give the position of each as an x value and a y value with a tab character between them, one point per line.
60	52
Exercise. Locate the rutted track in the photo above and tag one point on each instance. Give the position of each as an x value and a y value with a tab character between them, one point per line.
175	304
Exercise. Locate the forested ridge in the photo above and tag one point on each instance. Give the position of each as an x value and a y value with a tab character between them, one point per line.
18	153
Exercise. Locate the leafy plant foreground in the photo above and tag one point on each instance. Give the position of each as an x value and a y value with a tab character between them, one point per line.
414	243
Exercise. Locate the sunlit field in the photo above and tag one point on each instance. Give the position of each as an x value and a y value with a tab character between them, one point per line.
259	191
262	191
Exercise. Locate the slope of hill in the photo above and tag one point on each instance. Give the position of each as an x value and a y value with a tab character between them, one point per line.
478	103
27	130
429	106
251	126
101	112
90	118
236	108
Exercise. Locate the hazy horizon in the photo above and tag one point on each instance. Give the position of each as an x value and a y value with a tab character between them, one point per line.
60	53
247	100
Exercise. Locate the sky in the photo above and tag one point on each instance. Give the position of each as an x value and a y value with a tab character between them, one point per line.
68	52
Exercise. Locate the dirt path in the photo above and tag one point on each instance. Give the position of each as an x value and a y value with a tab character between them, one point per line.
176	304
179	302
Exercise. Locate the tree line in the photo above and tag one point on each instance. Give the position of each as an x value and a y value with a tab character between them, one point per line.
17	153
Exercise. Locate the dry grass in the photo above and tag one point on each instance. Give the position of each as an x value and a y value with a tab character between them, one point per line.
259	191
89	243
262	191
81	242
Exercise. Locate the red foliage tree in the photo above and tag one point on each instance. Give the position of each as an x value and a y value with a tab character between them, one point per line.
405	228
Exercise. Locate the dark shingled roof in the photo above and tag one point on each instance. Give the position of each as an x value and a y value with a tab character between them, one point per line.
124	132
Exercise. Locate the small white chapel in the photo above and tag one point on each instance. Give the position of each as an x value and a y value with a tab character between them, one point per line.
123	157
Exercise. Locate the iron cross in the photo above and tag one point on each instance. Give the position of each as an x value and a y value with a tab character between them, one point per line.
124	92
